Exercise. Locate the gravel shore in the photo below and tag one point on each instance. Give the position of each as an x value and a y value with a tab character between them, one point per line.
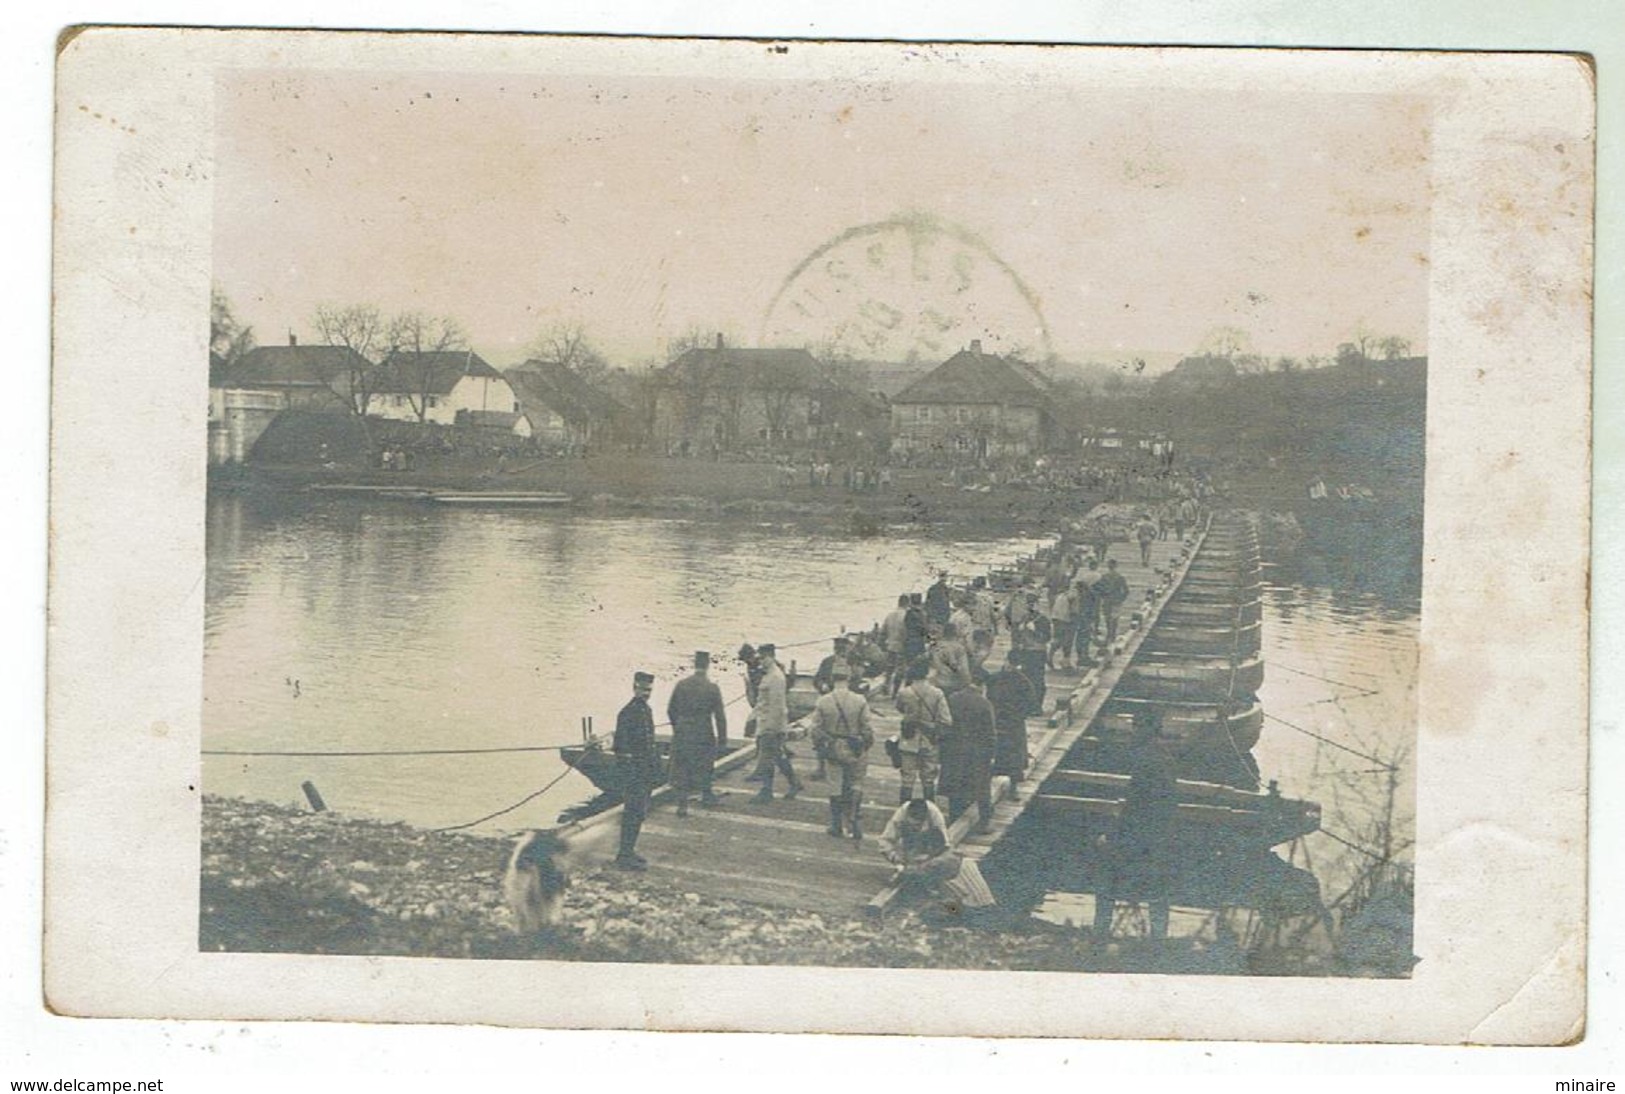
278	879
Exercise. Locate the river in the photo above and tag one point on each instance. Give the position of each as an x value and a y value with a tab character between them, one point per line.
335	625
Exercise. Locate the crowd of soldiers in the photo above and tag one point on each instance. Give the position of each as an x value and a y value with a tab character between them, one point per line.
962	722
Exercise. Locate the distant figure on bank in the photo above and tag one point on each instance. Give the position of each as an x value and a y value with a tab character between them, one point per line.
843	736
967	755
916	842
773	726
533	884
637	765
1111	591
1136	863
699	733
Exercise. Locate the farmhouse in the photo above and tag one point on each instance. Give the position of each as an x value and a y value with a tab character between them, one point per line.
974	404
562	406
445	387
727	398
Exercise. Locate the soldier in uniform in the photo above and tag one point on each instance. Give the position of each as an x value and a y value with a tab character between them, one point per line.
842	731
638	766
772	726
1111	591
699	733
1011	694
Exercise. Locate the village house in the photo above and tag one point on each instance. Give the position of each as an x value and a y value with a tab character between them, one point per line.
245	396
726	398
563	408
974	404
1195	375
446	387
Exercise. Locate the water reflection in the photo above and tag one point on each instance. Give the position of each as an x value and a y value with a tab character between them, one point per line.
332	625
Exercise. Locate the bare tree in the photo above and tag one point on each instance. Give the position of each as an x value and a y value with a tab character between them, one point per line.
359	328
696	336
228	338
1394	347
1367	343
566	343
778	405
413	340
1226	342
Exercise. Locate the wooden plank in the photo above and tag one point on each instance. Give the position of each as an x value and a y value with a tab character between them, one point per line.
1190	789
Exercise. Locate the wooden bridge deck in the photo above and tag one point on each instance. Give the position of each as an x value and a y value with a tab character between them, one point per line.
780	853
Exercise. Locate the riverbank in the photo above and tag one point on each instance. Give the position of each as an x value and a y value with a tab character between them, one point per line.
919	499
280	880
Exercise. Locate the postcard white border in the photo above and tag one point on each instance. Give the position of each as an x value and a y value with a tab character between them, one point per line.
126	600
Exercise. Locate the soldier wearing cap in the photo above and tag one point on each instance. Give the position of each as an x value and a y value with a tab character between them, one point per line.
699	733
638	766
772	725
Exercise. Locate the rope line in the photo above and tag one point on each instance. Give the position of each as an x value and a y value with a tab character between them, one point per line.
509	809
403	752
1350	844
1384	764
1358	688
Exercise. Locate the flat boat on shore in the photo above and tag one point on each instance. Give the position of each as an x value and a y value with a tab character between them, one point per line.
533	498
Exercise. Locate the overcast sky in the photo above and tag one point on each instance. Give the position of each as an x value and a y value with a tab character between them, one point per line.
1089	221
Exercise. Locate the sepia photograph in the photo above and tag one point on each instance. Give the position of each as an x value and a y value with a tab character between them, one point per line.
806	522
604	533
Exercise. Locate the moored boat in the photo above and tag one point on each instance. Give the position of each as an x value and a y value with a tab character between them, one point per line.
1218	640
500	497
1215	614
1242	726
1191	679
1218	594
1259	817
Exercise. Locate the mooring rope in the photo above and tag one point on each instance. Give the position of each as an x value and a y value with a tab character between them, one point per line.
1359	689
401	752
1384	764
509	809
1351	845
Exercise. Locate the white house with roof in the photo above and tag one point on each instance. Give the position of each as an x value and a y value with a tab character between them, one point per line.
446	387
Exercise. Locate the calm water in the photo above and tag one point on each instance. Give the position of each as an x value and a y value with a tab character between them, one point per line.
336	625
